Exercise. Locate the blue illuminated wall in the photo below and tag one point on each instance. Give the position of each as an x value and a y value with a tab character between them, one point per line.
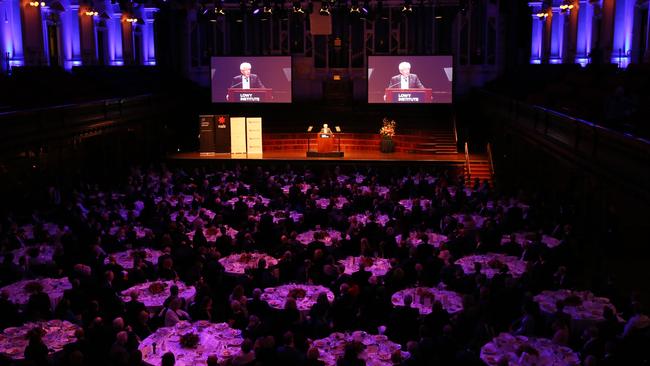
68	20
585	30
538	29
11	38
623	23
557	37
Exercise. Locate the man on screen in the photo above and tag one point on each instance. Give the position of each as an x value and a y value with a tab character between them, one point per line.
405	80
246	80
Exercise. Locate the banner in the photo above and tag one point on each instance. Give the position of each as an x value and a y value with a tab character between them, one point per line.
254	135
222	133
206	134
238	135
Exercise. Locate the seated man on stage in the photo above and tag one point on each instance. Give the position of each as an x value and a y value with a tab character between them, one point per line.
325	129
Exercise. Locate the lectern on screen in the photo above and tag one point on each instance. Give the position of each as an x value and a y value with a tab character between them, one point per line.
410	79
251	79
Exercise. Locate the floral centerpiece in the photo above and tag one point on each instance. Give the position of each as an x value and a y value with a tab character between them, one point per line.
33	286
387	131
189	340
157	287
298	293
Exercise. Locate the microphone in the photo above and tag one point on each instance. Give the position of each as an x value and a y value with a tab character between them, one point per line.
239	83
397	83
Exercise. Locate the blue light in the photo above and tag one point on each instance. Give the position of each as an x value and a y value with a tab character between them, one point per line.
535	61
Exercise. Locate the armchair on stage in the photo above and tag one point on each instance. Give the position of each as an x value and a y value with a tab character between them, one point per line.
397	95
249	95
327	144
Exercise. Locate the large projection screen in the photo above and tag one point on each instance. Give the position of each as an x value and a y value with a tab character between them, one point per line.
251	79
410	79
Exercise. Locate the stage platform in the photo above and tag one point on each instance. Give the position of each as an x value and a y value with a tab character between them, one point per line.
350	156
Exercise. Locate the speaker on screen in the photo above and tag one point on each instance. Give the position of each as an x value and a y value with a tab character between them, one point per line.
251	79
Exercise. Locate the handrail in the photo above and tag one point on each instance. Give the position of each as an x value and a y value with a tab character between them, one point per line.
489	151
453	118
467	164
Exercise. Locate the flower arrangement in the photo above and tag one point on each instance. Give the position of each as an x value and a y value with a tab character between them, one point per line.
157	287
388	127
425	292
245	258
189	340
573	300
33	286
495	263
298	293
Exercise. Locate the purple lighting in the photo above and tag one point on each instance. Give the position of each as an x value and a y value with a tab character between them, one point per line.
623	22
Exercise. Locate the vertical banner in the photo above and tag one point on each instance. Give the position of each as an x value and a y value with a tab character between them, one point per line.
206	134
238	135
222	133
254	135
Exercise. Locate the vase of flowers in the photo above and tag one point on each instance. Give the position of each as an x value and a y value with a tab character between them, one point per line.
387	132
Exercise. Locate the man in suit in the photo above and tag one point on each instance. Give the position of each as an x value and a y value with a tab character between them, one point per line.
405	80
246	80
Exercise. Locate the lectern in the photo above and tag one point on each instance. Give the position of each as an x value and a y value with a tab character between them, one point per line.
325	143
396	95
250	95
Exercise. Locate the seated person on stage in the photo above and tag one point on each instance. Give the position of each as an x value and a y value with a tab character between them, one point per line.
325	129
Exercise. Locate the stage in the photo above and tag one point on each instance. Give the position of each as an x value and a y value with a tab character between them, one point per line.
350	156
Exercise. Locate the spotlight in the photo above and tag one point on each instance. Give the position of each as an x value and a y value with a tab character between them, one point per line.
407	8
297	8
324	9
354	8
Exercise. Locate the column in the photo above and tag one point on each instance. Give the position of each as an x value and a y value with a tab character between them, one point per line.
11	37
536	39
584	32
32	25
87	36
646	56
547	24
114	26
149	47
571	33
70	40
557	36
127	41
623	30
607	28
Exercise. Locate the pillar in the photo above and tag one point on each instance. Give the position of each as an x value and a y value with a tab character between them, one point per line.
585	16
623	31
11	38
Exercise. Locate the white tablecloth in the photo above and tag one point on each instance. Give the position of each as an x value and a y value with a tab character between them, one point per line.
339	202
212	233
424	297
408	204
250	201
125	258
365	218
58	333
377	266
581	305
218	339
45	253
51	286
522	238
238	263
154	301
491	264
434	239
524	351
377	348
330	235
305	295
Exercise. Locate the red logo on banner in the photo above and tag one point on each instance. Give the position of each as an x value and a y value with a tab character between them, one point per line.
221	120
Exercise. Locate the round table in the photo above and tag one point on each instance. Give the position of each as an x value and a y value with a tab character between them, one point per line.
58	333
414	238
250	201
43	253
218	339
305	295
377	349
377	266
524	351
213	233
492	264
584	308
408	203
329	236
153	294
192	215
125	258
238	263
19	292
424	297
523	238
339	202
367	217
281	215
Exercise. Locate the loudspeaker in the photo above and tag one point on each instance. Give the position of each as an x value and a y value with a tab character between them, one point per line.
206	134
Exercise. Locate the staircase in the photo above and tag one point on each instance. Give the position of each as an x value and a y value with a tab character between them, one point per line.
480	167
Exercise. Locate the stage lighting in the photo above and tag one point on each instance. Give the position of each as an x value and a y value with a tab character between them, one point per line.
324	9
297	8
407	8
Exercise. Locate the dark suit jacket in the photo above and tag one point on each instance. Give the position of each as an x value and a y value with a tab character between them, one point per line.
414	82
255	81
